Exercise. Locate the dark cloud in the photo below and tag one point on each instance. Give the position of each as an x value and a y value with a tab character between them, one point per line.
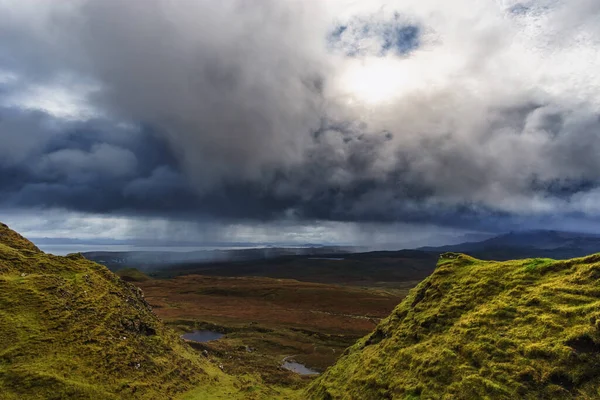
90	166
458	115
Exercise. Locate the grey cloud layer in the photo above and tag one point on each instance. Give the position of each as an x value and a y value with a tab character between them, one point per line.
248	112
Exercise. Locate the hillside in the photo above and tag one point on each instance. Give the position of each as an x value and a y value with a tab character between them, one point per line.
71	329
527	329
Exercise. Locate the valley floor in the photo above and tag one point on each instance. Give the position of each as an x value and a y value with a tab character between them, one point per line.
266	320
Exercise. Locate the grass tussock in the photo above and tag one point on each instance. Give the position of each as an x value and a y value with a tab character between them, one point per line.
527	329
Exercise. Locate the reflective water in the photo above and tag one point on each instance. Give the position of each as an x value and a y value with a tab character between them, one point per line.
298	368
202	336
64	249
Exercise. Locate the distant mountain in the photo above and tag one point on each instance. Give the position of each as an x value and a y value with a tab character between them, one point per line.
535	243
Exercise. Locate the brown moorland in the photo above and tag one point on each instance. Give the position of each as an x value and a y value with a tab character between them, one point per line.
272	302
267	320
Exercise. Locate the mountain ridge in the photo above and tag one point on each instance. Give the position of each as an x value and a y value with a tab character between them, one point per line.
527	329
527	244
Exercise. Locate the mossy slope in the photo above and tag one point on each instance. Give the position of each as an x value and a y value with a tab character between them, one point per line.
69	328
132	275
527	329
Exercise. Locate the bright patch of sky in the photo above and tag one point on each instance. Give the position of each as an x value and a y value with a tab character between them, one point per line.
63	100
375	35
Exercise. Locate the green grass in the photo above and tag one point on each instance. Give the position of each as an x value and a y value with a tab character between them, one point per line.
527	329
71	329
248	387
132	275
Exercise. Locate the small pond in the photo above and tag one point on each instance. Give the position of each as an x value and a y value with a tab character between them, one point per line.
202	336
298	368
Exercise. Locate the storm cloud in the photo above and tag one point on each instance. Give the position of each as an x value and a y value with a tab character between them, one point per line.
471	114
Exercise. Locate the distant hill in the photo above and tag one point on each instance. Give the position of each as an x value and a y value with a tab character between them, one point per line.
324	265
526	329
378	268
535	243
344	265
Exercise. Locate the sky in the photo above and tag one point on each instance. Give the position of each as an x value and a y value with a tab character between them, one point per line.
337	121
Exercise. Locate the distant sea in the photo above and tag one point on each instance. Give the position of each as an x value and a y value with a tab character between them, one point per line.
64	249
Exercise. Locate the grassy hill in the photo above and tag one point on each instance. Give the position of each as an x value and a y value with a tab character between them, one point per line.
71	329
527	329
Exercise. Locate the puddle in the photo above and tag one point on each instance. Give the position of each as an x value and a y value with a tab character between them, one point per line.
202	336
298	368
